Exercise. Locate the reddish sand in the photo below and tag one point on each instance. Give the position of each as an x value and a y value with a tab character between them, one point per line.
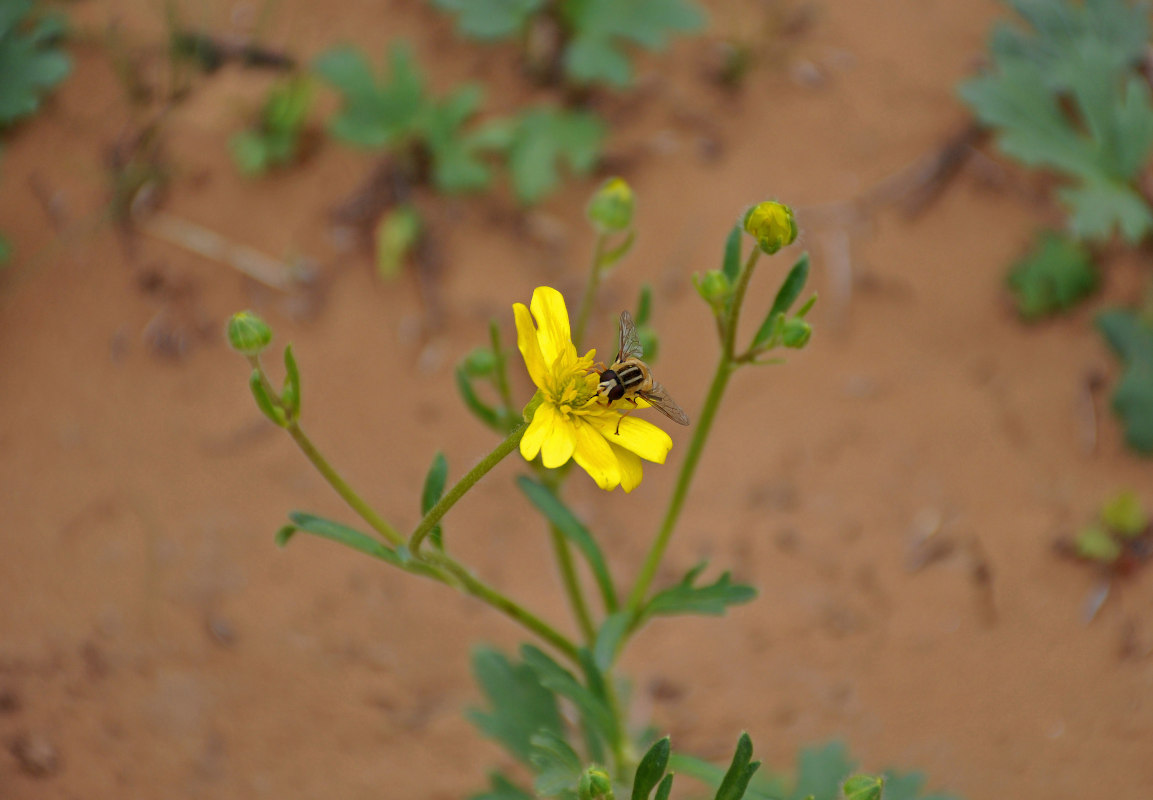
154	643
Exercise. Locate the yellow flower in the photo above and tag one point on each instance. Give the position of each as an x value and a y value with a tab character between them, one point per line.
569	421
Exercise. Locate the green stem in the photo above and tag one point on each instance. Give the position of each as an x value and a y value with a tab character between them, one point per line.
704	425
346	492
572	585
510	608
463	485
590	294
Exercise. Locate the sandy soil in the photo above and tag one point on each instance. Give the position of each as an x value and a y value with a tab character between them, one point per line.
154	643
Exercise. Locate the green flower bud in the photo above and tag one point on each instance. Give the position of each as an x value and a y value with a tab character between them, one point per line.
772	224
611	208
796	333
714	288
481	361
595	783
248	334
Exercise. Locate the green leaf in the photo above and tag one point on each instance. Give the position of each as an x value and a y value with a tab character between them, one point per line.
864	787
644	305
373	114
264	401
594	713
740	772
5	250
290	394
30	65
481	410
1096	544
557	765
762	787
790	290
666	788
651	769
908	787
601	29
434	483
520	706
397	234
491	19
349	537
249	152
1070	97
456	156
557	513
1056	274
542	140
609	637
1124	514
1132	339
820	771
712	599
502	789
731	265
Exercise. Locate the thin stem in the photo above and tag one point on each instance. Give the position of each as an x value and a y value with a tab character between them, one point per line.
572	585
704	424
510	608
346	492
590	294
463	485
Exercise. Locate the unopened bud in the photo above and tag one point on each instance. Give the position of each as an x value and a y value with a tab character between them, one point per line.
611	208
796	333
772	224
248	334
714	288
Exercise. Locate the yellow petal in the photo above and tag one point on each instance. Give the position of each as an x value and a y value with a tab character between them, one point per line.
595	457
529	344
538	430
559	444
638	435
551	316
630	466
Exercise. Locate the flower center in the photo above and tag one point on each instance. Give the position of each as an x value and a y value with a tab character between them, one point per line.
572	385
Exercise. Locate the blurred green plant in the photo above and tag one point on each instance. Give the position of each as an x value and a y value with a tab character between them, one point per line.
31	65
586	41
560	707
1067	93
439	141
274	138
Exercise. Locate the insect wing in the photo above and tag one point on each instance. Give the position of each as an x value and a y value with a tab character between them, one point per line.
630	343
659	399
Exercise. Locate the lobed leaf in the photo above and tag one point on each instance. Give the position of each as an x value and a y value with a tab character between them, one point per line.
491	19
540	141
30	64
685	598
520	707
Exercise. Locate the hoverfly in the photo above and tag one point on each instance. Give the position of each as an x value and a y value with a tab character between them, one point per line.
629	378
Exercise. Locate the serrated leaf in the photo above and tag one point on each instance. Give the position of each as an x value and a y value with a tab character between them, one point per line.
740	772
30	65
557	513
520	707
1132	340
501	788
820	771
651	769
602	28
1057	273
373	114
1097	208
491	19
457	164
1124	514
542	140
712	599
